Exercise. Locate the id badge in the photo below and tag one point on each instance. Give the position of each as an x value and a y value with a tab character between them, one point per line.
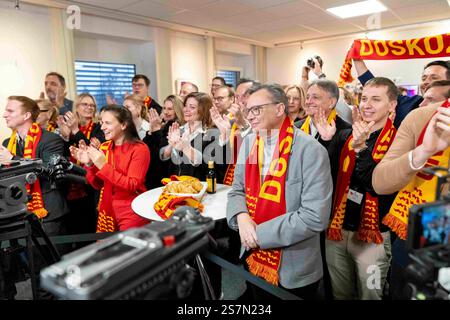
355	196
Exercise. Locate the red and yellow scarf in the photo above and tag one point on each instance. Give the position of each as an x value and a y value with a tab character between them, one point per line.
267	201
234	146
51	126
36	205
106	220
368	230
366	49
77	190
147	102
306	128
421	189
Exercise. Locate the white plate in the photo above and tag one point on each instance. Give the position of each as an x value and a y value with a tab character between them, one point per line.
196	196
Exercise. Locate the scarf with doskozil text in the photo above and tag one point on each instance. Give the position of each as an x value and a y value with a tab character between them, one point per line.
106	220
267	201
368	230
306	128
366	49
421	189
36	205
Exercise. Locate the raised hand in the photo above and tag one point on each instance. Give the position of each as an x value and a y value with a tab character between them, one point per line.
356	114
437	134
154	119
317	68
326	131
174	136
305	72
64	129
97	157
59	99
80	153
72	122
361	132
110	100
95	143
221	121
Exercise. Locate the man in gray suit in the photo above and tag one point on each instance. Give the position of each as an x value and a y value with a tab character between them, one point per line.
292	200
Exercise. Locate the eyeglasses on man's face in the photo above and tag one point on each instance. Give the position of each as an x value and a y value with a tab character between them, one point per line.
137	85
256	110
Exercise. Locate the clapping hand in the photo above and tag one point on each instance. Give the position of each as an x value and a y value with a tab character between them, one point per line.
80	153
174	136
95	143
154	119
326	131
63	127
97	157
361	132
72	122
221	121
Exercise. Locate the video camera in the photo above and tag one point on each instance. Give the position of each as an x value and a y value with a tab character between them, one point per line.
139	263
15	175
428	244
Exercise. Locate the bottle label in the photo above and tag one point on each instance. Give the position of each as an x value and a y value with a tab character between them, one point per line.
211	185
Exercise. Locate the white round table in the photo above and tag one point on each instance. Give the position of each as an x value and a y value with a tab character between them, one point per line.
215	205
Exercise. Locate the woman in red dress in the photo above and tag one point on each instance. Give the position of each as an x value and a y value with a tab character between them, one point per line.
118	168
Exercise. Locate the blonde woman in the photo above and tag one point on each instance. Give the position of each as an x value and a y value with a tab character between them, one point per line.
80	127
296	99
48	115
135	104
156	138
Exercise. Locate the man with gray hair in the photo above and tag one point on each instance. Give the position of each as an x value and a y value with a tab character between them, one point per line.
281	197
321	98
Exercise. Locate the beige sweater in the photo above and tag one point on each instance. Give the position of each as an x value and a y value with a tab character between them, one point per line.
393	172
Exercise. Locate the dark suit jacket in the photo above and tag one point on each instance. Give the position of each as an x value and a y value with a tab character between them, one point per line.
54	200
340	125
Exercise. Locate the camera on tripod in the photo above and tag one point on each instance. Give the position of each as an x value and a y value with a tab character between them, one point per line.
15	175
428	243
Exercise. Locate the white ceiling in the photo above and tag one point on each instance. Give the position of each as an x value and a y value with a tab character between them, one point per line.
274	21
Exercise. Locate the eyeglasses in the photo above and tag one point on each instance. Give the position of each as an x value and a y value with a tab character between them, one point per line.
215	85
220	99
137	85
256	110
87	105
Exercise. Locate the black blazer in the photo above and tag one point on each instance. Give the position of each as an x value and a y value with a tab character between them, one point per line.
54	200
340	125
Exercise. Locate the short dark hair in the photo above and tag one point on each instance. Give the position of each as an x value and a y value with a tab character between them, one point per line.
224	83
123	115
141	76
328	86
441	63
28	105
275	90
392	90
59	76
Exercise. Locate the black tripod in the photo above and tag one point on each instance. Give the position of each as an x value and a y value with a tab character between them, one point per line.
27	226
